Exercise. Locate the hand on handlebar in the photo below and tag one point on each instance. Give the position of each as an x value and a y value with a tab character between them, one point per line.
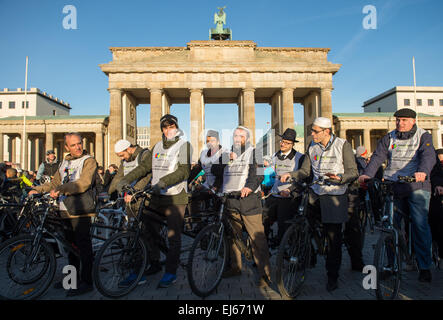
333	176
285	177
363	178
30	193
420	176
128	198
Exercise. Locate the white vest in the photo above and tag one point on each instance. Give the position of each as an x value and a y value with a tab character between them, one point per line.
236	172
73	169
164	162
403	158
281	167
328	160
206	163
131	165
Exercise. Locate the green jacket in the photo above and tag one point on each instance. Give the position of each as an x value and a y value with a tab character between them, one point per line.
182	173
142	182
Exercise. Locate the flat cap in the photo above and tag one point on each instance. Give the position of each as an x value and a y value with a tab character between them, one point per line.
405	113
213	133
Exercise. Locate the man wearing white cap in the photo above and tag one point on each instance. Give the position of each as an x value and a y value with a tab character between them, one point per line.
131	156
328	157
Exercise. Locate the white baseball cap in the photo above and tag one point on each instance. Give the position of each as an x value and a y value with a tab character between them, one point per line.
322	122
121	145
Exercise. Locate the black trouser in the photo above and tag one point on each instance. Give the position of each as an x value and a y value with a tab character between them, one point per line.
334	235
78	231
436	222
280	210
174	218
353	232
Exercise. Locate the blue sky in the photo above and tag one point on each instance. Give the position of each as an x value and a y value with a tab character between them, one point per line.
65	62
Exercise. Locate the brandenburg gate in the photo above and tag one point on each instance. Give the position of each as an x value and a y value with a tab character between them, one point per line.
216	71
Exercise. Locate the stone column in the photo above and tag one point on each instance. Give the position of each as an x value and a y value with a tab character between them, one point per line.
115	122
91	148
166	104
367	139
287	108
99	148
435	137
1	147
37	152
240	109
326	103
24	140
197	128
342	133
249	111
85	143
13	141
156	114
49	141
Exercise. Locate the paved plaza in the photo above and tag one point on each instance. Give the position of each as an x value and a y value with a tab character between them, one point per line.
243	288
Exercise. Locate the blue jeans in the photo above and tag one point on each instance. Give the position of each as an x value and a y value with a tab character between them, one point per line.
417	204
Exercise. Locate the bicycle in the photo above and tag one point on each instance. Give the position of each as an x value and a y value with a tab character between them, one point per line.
209	252
18	218
126	253
110	218
28	261
301	243
392	247
366	215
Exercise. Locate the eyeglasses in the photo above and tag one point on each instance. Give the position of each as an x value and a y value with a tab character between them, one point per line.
317	132
285	142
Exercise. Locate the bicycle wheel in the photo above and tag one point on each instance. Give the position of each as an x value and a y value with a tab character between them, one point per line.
207	260
293	257
119	264
388	262
26	271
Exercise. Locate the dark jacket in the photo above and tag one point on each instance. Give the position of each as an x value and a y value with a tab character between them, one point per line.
426	154
334	208
251	204
142	182
437	175
182	173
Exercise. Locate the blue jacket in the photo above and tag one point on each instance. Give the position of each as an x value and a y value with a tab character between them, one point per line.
426	154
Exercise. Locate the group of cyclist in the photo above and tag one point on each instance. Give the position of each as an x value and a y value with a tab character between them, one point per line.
239	171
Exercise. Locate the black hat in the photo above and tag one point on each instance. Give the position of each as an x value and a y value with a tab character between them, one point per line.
50	152
213	133
405	113
439	151
170	118
289	134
